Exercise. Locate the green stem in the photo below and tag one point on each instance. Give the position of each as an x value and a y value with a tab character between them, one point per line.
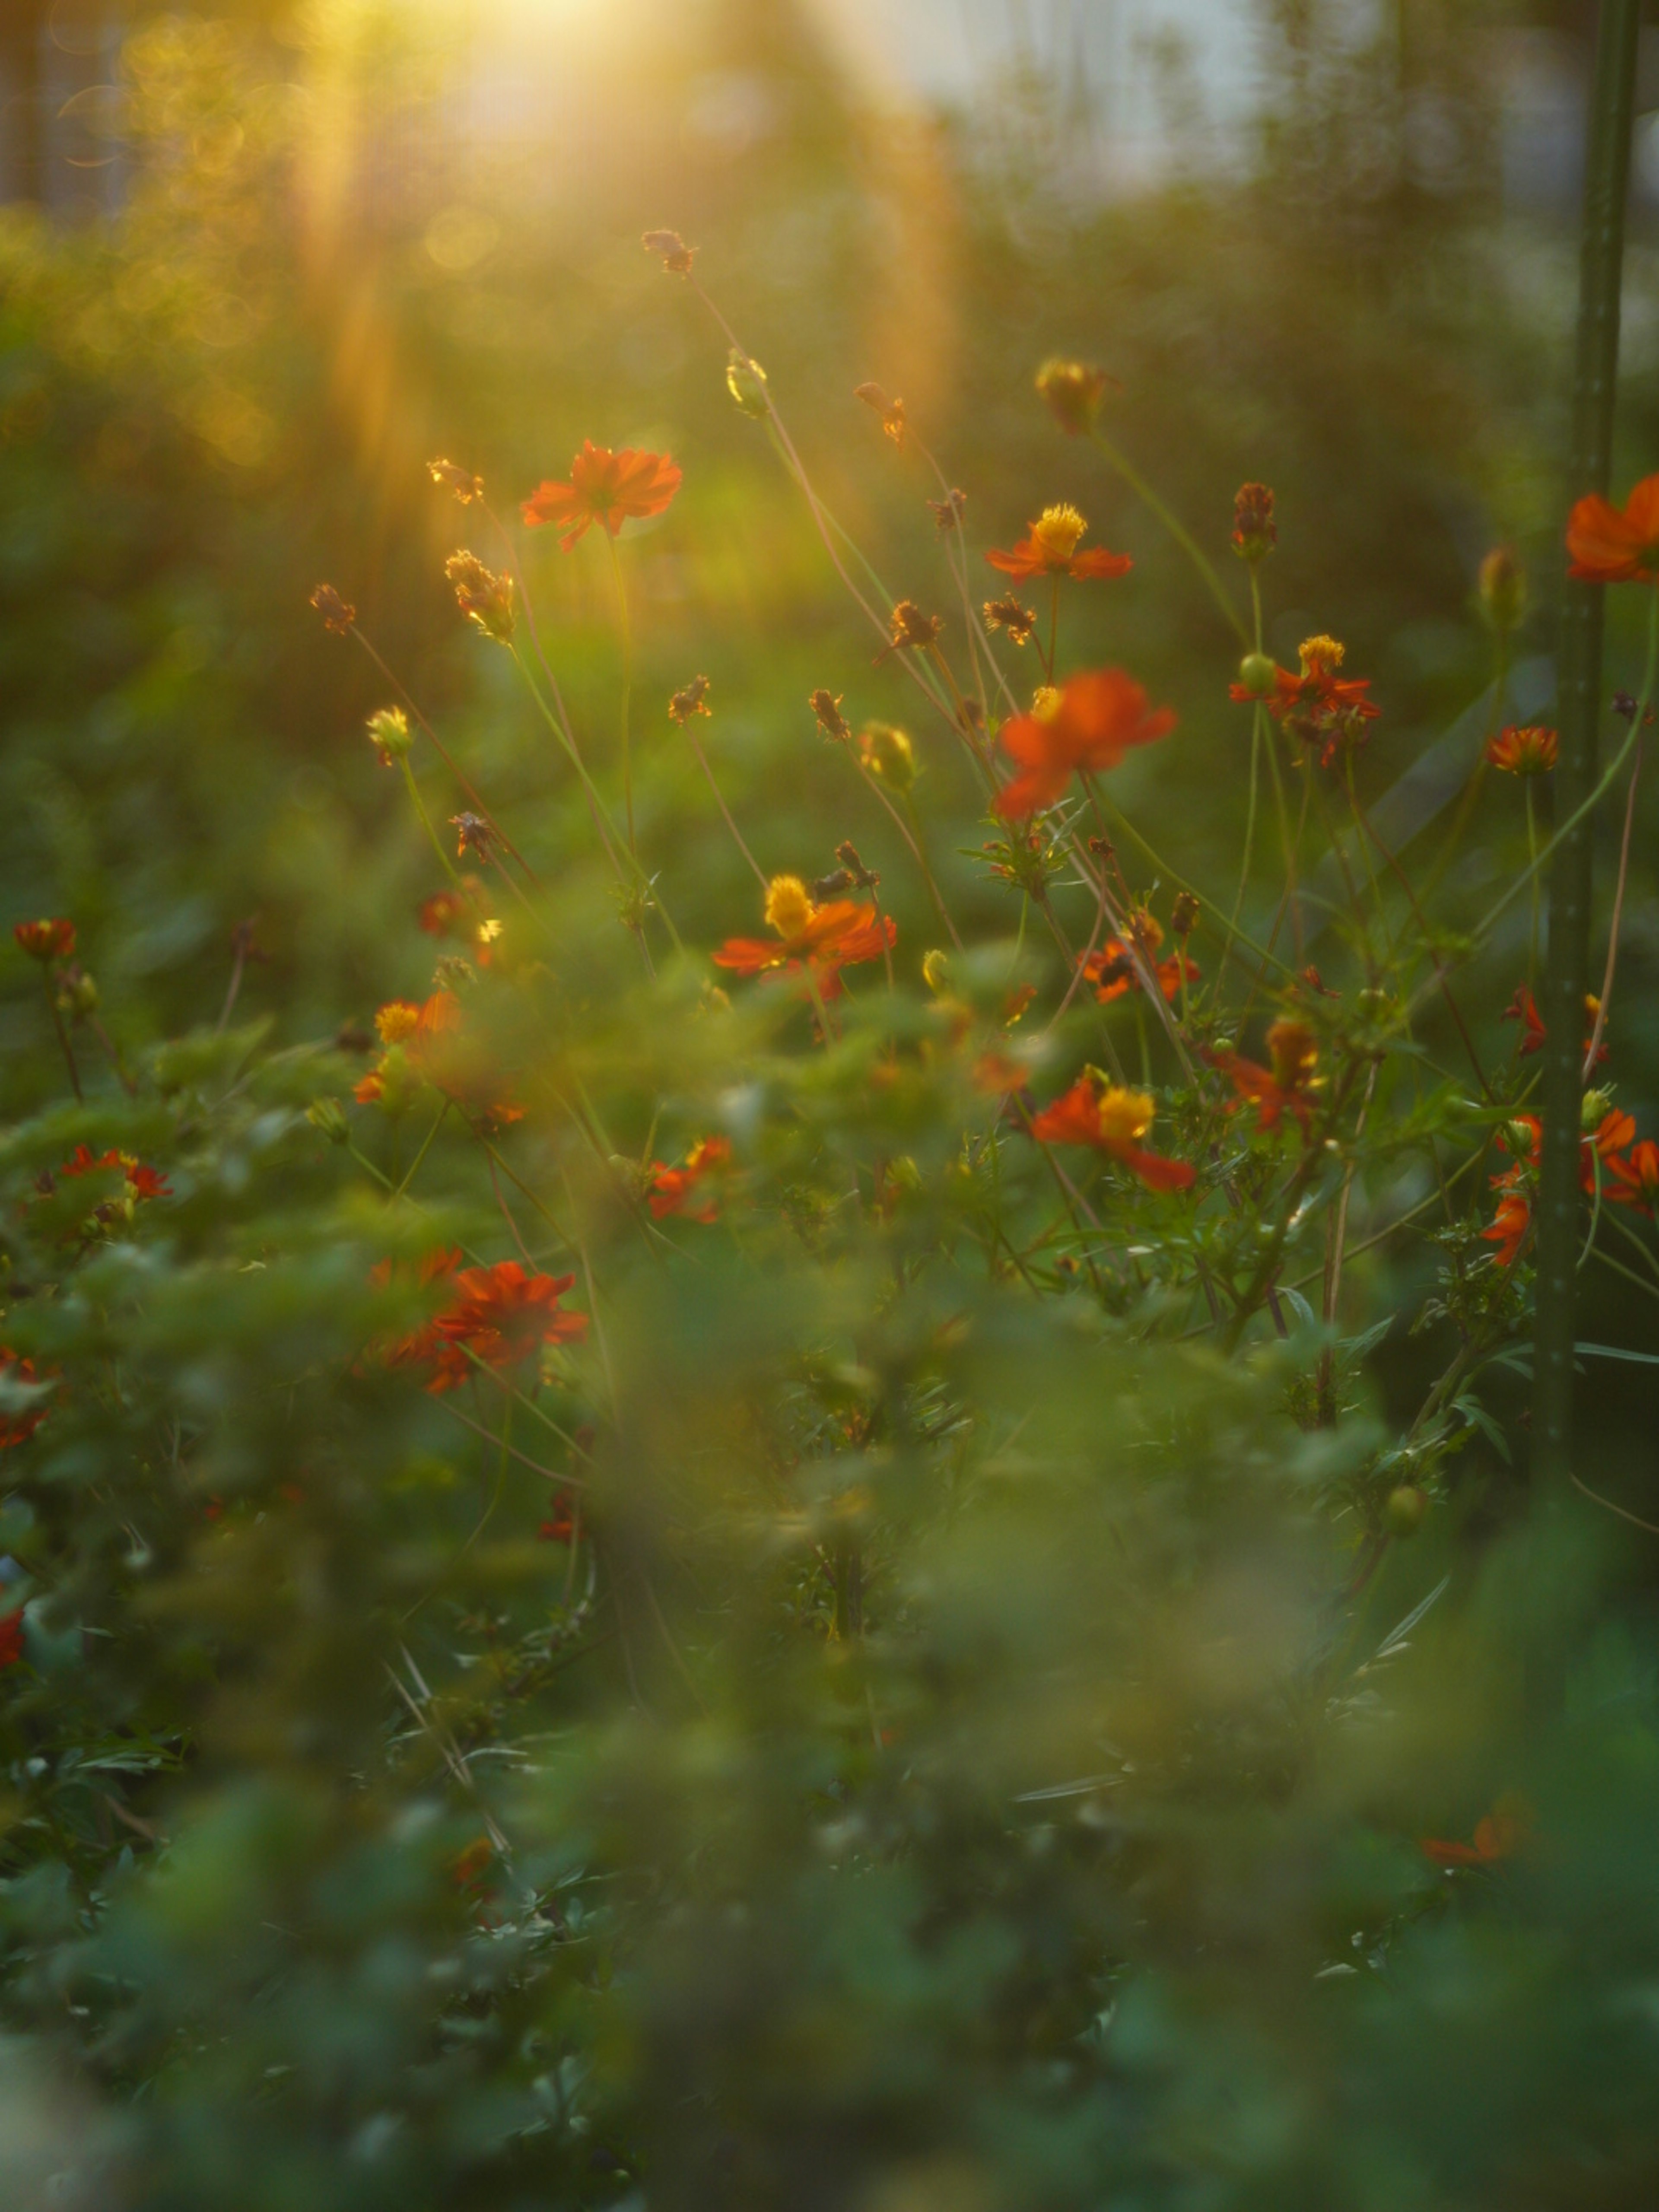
1577	787
1178	530
447	865
1532	871
63	1039
627	688
415	1164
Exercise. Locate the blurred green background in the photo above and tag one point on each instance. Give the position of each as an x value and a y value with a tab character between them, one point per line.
259	267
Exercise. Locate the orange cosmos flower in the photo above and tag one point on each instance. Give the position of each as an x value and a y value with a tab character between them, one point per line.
829	937
674	1189
1529	752
1611	545
1524	1008
1112	1120
1598	1153
607	487
1111	971
502	1316
1497	1835
1049	549
45	940
1097	718
143	1181
1634	1180
421	1345
17	1425
1286	1085
1509	1227
1315	706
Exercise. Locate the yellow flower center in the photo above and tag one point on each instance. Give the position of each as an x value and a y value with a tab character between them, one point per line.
1045	703
396	1021
788	909
1057	529
1125	1116
1321	654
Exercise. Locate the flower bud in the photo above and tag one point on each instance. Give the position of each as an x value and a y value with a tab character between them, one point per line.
1594	1109
1406	1509
888	755
1254	531
1257	673
1183	915
329	1116
390	734
935	971
1072	392
51	939
745	380
80	995
1503	590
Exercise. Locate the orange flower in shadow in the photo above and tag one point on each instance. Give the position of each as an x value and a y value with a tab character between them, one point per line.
52	939
502	1317
1111	971
1497	1835
1524	1008
1287	1085
1049	549
607	487
19	1424
421	1344
840	934
1097	718
673	1190
437	1048
1112	1120
1509	1227
1315	706
1616	545
1529	752
1634	1180
142	1181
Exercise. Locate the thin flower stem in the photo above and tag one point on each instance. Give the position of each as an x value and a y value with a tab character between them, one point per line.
1178	530
1594	1045
414	789
702	762
1256	720
626	629
1537	888
63	1040
414	1164
919	847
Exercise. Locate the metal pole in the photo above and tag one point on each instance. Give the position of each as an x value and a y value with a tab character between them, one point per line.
1564	980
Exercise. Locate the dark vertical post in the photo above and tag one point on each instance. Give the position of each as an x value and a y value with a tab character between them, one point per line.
23	28
1564	980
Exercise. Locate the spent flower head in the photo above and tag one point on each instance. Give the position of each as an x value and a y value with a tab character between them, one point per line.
891	411
484	598
465	486
692	699
671	249
338	615
826	707
1074	392
1254	531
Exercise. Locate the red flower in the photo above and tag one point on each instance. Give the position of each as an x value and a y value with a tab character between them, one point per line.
841	934
45	940
11	1637
1529	752
1612	546
1111	971
1097	718
1613	1132
1049	549
1284	1087
1634	1180
1316	706
1509	1226
143	1181
423	1344
18	1425
565	1525
1497	1835
1113	1120
502	1317
437	1048
1524	1008
672	1189
607	487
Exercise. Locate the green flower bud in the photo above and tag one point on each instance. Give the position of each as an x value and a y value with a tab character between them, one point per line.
746	380
1256	673
1405	1509
328	1116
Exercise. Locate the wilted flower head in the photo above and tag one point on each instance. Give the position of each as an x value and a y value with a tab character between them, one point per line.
947	513
338	615
484	598
891	411
913	630
1254	531
390	734
473	832
52	939
1523	752
826	706
1017	623
671	249
465	486
693	699
1074	392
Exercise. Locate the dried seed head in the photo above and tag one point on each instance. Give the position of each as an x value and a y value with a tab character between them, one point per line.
692	699
671	249
465	486
473	832
891	411
1017	623
1254	531
1074	392
338	615
913	630
947	513
1183	915
826	706
484	598
847	853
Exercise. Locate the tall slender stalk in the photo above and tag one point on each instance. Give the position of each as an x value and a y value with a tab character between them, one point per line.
1565	977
